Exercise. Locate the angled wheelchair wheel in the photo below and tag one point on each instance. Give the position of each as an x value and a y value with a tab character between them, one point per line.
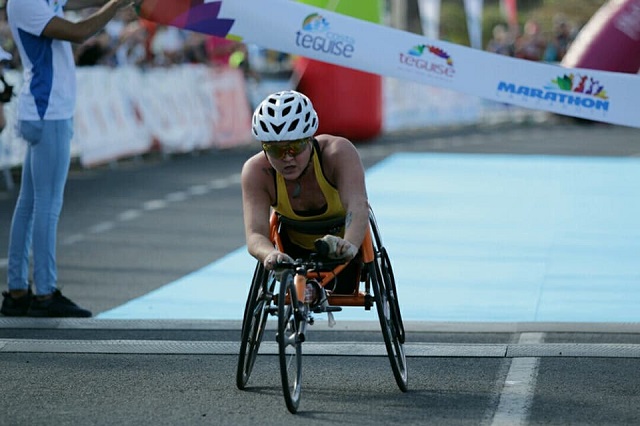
290	340
390	285
388	308
256	310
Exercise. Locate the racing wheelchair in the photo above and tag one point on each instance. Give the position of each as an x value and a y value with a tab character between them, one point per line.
284	298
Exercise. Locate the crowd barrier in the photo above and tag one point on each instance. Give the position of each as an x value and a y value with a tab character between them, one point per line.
128	111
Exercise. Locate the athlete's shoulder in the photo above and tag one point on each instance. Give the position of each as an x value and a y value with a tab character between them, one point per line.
333	143
256	166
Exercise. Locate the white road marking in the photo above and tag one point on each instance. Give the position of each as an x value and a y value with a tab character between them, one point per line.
517	392
151	205
101	227
154	205
176	197
129	215
198	190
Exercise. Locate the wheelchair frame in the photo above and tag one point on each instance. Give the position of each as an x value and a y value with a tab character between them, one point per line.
293	315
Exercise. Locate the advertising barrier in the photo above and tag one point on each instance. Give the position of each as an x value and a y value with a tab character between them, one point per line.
127	111
342	40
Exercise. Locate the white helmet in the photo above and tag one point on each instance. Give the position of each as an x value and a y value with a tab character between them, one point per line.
284	116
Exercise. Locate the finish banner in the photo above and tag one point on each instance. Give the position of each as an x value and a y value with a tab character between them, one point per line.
319	34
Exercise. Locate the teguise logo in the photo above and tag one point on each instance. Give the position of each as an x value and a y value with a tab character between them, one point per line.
316	35
428	59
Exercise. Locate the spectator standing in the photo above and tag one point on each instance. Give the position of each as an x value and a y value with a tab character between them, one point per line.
501	42
130	48
167	46
46	106
531	44
559	44
95	51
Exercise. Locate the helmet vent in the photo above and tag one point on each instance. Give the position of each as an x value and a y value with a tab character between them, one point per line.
286	111
278	128
271	112
293	125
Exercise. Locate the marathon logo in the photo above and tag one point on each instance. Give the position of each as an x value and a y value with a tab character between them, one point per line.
587	93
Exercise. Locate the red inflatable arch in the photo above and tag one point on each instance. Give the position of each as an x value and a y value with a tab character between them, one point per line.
610	41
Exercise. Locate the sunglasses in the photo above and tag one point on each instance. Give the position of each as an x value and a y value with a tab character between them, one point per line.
281	149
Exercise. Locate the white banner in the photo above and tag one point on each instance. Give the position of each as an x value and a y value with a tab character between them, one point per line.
342	40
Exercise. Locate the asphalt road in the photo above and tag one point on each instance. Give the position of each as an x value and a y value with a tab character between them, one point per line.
128	229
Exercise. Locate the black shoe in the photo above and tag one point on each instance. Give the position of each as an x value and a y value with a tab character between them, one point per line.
57	306
13	307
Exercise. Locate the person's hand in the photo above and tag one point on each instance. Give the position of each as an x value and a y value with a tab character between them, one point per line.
339	248
275	257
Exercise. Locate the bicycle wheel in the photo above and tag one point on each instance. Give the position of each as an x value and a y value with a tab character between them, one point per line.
254	322
388	309
290	341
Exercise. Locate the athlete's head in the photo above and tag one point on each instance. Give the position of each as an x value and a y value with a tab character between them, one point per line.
284	116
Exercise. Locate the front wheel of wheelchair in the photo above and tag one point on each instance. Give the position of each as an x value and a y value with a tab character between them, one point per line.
290	338
254	322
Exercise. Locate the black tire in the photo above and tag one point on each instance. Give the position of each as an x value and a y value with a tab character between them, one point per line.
254	322
290	340
390	279
388	308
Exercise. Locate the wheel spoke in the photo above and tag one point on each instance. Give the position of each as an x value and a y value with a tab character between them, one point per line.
289	342
388	309
253	324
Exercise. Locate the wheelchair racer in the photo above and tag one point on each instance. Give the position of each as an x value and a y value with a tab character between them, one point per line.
306	179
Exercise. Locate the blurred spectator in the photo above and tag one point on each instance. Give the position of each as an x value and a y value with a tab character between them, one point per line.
501	42
563	36
219	50
531	44
130	48
95	51
195	49
225	53
167	46
6	42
